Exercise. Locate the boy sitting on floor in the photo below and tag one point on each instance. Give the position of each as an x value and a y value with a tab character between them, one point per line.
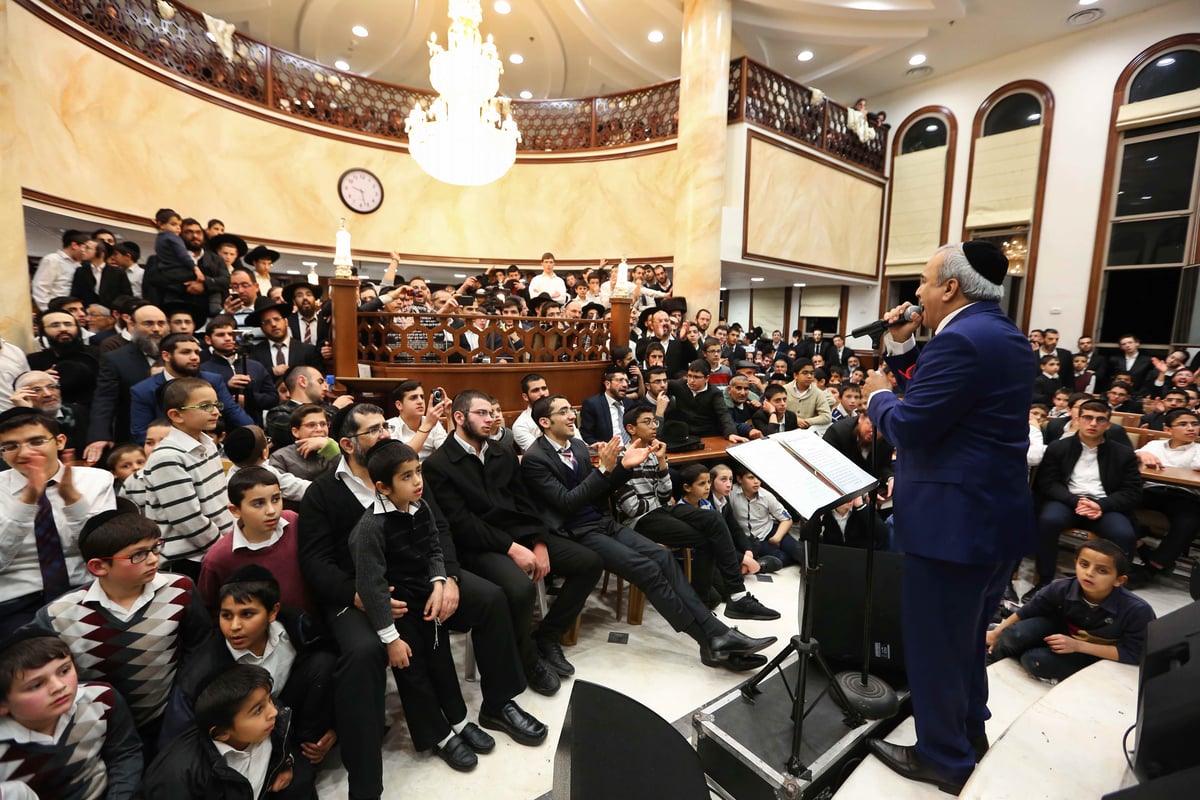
1073	622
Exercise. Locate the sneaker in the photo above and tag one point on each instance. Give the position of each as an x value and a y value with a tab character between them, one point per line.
769	564
748	607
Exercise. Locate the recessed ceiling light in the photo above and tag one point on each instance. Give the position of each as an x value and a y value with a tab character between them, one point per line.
516	58
757	280
931	128
526	95
502	7
722	289
799	285
1088	2
342	64
1034	117
655	36
360	31
309	263
460	274
1165	62
916	60
805	55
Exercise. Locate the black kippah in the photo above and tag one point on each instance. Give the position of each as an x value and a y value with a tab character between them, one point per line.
239	444
987	259
124	506
249	573
24	634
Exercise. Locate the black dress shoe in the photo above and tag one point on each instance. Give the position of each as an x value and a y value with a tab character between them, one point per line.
552	653
1025	598
457	754
542	679
980	745
748	607
735	662
1010	594
477	739
518	723
769	564
734	641
903	760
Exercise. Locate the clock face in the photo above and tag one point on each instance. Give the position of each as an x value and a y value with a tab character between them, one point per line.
360	190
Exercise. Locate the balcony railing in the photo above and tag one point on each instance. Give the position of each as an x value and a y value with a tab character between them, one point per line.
287	84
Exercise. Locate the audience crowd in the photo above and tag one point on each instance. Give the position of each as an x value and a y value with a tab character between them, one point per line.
209	559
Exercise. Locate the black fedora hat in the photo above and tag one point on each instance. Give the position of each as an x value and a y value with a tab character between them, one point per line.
216	242
289	291
262	306
259	253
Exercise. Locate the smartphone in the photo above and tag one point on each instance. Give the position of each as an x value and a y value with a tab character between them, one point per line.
437	396
329	381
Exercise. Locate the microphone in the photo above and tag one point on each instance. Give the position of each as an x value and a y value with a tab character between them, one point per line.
880	326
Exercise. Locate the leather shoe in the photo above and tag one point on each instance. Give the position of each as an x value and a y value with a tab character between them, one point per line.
734	641
1025	598
457	754
477	739
518	723
735	662
980	745
769	564
542	679
552	653
903	760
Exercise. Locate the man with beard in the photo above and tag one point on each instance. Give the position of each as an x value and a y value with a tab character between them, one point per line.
306	326
499	535
40	391
120	369
248	381
207	297
75	307
330	508
304	385
180	354
281	351
75	363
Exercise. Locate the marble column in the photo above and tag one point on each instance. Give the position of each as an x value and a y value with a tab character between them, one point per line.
703	98
16	321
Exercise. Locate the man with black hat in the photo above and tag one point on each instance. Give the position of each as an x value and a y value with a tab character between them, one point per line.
306	326
75	362
963	509
260	260
281	351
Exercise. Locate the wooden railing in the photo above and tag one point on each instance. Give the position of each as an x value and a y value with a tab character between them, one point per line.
284	84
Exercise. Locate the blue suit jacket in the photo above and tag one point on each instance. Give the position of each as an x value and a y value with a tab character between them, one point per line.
145	408
595	421
961	434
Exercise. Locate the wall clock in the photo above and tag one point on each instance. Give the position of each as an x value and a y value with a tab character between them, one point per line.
360	190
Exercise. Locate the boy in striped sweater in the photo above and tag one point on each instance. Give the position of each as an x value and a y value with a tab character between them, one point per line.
133	625
182	486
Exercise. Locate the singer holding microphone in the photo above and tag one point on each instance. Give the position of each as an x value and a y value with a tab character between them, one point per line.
963	509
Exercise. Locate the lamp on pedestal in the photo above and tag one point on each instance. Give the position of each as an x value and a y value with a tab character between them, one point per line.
343	265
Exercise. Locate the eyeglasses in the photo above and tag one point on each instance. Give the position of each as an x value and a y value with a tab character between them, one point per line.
207	408
49	388
562	411
374	430
316	424
137	557
484	413
1186	425
36	441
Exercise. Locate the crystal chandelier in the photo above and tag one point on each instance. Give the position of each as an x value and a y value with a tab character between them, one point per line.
467	137
1016	251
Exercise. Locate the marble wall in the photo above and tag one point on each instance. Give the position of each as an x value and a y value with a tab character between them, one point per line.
93	131
801	211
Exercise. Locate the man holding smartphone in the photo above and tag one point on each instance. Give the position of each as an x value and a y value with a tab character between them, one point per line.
419	424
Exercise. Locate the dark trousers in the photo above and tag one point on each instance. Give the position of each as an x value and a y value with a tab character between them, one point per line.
579	567
309	694
1026	640
945	610
704	531
429	689
653	570
1055	517
483	610
19	611
1183	512
790	550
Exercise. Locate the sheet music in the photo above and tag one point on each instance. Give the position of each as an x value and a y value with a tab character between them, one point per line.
828	461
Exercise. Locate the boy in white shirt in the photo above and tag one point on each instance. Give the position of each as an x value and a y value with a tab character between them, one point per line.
1180	504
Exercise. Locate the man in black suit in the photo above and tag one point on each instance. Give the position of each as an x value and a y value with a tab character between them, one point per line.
331	506
817	346
306	325
120	370
75	362
559	475
99	284
1049	347
1086	481
1131	360
500	536
839	354
281	351
1097	363
701	406
248	381
659	326
601	414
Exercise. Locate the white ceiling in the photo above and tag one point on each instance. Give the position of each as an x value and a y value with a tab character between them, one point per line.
579	48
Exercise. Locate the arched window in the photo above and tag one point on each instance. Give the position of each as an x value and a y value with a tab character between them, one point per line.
924	134
1006	181
1145	277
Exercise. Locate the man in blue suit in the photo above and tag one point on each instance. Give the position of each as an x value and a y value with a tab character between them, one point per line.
600	410
963	509
181	358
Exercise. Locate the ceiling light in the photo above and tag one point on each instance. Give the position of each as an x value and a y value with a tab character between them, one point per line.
916	60
502	7
1034	117
292	272
360	31
805	55
1152	158
516	58
342	64
460	275
1088	2
798	285
655	36
757	280
526	95
931	128
1165	62
723	289
309	263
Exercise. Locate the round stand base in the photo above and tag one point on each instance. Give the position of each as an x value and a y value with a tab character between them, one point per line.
874	700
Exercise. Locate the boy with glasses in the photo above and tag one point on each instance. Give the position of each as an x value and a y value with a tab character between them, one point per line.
1180	504
44	503
313	452
182	486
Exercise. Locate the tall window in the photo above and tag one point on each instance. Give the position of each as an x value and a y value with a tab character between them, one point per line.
1147	249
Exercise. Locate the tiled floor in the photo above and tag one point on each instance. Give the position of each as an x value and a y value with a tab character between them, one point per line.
661	669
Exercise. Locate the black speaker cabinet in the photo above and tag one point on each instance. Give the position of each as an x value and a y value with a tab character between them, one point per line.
1168	725
1175	786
